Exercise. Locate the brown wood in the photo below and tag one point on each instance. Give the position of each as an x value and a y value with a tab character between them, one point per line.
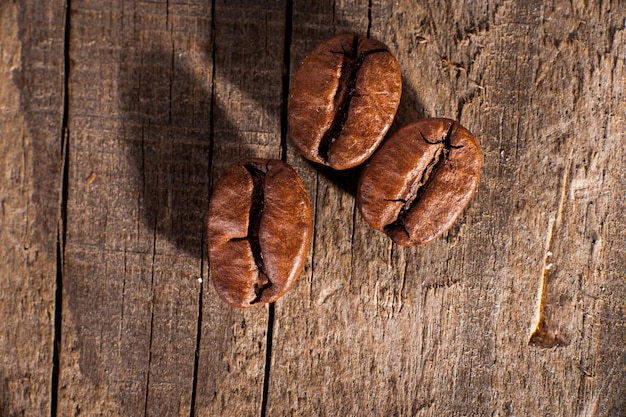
31	160
518	310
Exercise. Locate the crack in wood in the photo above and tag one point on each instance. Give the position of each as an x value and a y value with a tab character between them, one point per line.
154	239
268	359
62	221
194	382
546	334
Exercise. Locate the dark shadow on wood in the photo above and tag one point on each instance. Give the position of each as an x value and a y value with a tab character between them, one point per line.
410	109
169	147
346	180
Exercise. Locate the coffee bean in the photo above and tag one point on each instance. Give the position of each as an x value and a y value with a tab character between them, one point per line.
343	99
420	180
259	231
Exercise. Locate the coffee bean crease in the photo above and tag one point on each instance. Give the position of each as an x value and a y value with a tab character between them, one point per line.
254	223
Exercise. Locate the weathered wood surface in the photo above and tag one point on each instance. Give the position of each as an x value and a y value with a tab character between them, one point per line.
31	155
114	130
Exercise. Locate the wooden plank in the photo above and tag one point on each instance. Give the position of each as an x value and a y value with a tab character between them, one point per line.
31	99
138	182
444	329
248	59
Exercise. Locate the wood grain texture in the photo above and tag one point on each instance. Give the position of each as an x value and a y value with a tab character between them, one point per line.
164	94
31	103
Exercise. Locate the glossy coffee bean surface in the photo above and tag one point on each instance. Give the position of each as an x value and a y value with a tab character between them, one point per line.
259	231
343	99
420	180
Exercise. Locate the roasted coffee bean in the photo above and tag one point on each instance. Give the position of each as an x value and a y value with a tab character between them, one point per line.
259	231
420	180
343	99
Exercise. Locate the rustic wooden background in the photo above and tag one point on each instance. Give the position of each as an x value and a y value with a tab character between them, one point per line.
118	116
